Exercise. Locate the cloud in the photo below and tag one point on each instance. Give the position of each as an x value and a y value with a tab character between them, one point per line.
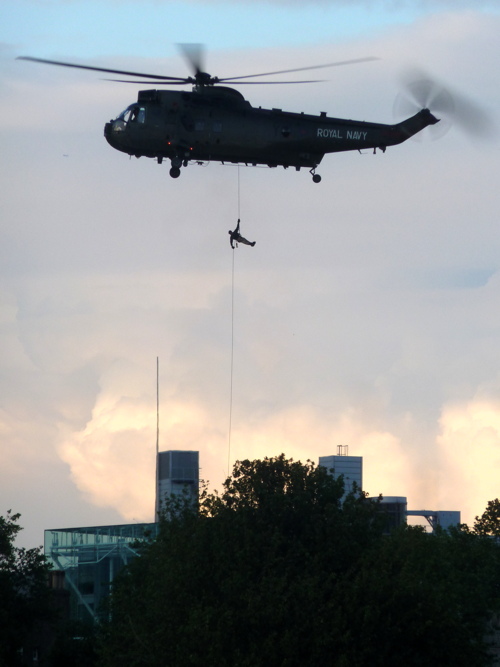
112	459
468	454
366	315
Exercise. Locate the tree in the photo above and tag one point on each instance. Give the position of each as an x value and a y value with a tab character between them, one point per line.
277	570
75	645
417	598
489	522
24	596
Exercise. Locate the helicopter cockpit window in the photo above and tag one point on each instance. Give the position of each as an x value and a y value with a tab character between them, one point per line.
133	114
138	115
125	115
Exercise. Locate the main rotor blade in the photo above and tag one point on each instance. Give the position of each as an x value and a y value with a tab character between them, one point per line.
236	83
181	82
270	83
302	69
104	69
185	81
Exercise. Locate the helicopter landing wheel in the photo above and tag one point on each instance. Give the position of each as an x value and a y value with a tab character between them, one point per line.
316	177
175	172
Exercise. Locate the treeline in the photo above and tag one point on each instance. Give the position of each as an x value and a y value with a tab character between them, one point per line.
277	571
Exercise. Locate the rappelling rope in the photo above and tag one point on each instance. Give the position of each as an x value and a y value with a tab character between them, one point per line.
238	191
232	347
231	381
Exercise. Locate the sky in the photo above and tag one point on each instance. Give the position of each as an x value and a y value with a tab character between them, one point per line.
365	316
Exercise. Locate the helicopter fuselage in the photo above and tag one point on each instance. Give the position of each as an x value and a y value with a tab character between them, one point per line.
219	124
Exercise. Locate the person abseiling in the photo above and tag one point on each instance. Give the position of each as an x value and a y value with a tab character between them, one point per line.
235	237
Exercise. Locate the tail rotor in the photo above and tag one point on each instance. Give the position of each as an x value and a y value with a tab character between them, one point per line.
452	108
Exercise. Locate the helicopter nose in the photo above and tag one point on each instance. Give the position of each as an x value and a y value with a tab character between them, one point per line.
112	133
108	133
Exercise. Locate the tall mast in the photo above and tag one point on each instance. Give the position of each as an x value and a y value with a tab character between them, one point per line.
157	404
157	471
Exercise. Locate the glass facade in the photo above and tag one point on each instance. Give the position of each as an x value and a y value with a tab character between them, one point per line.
90	558
177	471
394	509
350	467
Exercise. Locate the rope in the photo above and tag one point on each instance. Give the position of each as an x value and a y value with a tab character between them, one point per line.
239	191
232	348
231	382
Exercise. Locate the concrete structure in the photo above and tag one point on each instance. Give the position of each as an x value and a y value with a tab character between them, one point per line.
396	508
177	472
444	519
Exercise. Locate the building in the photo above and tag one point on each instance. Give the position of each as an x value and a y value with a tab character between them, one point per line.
349	467
90	558
395	511
177	472
395	507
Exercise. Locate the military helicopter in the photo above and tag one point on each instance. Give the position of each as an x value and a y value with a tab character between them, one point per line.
215	122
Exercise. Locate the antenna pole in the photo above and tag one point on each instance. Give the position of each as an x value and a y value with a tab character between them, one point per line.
157	404
157	470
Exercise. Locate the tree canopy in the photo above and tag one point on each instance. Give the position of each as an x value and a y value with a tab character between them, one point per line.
489	521
280	570
23	590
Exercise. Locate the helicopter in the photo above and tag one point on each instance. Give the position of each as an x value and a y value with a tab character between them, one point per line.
214	122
